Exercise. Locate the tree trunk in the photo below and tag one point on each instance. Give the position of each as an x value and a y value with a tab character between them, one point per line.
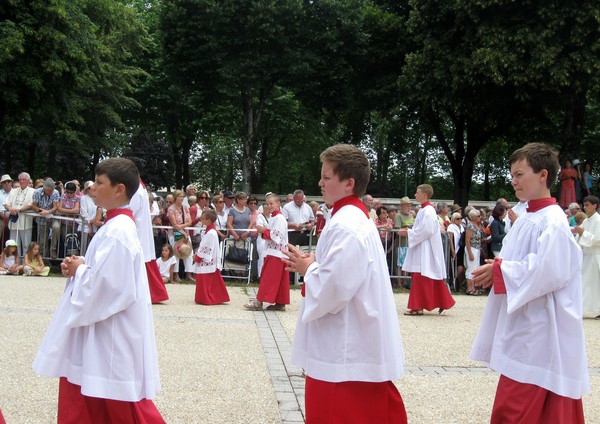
572	133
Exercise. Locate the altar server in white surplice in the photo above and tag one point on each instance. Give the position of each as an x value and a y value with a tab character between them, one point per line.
588	237
101	339
531	330
348	337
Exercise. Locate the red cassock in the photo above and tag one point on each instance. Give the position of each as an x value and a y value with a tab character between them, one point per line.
530	404
350	402
158	291
75	408
426	293
211	289
274	282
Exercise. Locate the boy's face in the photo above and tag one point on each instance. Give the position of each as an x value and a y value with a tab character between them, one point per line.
106	193
527	184
272	204
205	220
332	189
421	197
589	208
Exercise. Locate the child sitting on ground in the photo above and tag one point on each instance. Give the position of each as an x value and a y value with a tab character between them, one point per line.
166	263
10	263
34	263
210	287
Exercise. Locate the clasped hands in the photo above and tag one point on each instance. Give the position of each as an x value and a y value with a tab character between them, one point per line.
297	260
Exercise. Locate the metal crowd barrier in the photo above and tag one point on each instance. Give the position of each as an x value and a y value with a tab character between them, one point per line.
72	242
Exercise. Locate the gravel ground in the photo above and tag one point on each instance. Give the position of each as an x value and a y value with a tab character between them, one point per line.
213	368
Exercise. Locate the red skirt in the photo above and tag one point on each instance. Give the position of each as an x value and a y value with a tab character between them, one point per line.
527	403
426	293
351	402
2	418
274	282
158	291
75	408
211	289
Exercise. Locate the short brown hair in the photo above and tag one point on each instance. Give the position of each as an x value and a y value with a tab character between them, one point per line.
539	156
120	171
426	189
347	162
209	214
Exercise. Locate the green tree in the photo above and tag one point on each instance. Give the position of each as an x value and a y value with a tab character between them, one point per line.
64	80
488	69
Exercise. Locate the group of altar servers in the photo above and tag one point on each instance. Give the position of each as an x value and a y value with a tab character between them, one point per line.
347	335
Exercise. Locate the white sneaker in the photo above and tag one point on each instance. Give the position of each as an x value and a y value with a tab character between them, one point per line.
3	272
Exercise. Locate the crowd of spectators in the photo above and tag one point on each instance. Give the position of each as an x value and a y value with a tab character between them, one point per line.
62	218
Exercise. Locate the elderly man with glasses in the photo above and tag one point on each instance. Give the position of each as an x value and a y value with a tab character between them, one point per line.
19	201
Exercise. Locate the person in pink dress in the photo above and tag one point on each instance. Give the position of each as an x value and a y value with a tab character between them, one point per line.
567	178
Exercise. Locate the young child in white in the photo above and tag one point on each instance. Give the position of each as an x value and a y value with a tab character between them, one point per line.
34	263
210	286
166	263
10	263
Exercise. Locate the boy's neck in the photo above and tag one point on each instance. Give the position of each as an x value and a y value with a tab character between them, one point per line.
121	206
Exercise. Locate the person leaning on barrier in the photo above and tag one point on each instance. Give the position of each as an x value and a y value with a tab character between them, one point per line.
68	205
19	201
6	183
45	202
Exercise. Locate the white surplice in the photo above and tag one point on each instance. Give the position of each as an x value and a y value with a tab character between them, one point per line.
534	333
590	243
140	206
348	326
425	251
210	253
102	334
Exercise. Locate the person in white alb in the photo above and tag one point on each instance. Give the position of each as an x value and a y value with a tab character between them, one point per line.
532	331
101	339
425	259
348	337
588	237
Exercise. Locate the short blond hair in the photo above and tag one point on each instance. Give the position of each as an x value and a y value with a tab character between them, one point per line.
426	189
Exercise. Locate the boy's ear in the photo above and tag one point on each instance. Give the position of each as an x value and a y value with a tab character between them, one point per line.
349	185
543	175
120	190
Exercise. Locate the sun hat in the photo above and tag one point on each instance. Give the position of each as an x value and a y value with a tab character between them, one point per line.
10	243
5	177
405	201
183	248
454	208
87	185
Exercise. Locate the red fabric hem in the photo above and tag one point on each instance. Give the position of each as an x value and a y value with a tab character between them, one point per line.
499	286
426	293
158	291
211	289
274	282
75	408
349	402
525	403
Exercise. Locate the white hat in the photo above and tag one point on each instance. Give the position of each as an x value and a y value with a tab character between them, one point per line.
10	243
576	162
5	177
87	185
183	248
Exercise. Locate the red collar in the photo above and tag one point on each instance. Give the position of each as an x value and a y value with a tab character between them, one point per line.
119	211
350	201
210	227
538	204
427	203
275	213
